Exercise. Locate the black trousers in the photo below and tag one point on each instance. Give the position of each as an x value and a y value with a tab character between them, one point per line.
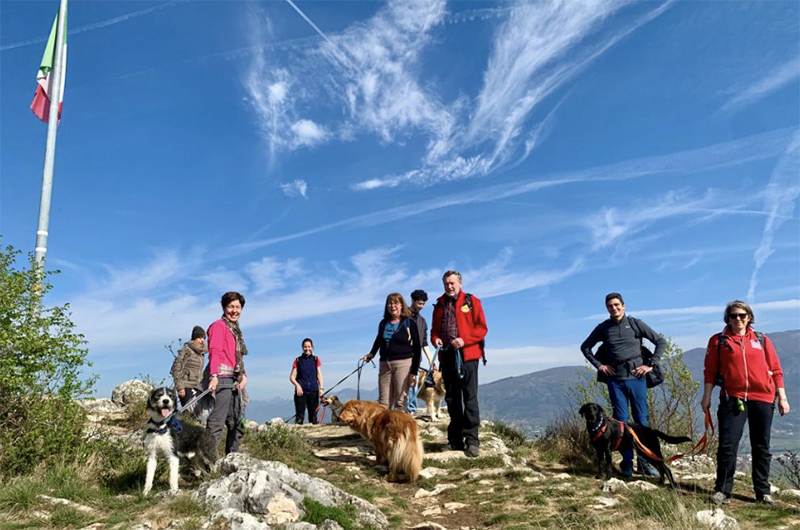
731	426
461	396
308	401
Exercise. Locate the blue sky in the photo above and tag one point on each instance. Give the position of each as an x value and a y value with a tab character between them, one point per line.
319	158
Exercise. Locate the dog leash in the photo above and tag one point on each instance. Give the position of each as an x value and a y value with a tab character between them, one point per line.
359	368
697	449
199	396
429	377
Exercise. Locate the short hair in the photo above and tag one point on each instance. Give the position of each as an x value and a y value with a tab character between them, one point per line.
405	312
307	340
229	297
450	273
198	333
611	296
419	294
740	305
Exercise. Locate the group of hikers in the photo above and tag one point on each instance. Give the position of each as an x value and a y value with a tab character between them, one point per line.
740	360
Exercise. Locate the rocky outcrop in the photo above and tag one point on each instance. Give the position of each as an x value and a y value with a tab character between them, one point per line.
271	493
130	392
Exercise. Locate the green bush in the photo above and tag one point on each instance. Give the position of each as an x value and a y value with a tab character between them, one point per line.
39	430
317	513
566	441
41	361
511	436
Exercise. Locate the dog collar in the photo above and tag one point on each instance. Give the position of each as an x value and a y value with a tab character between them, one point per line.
600	432
600	428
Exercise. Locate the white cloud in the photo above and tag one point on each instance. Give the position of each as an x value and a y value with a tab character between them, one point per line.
295	188
780	196
689	312
307	133
780	76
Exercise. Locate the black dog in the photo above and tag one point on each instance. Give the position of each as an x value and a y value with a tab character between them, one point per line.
608	434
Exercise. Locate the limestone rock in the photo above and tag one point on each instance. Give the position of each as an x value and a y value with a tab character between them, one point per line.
430	472
562	476
239	520
428	526
614	485
275	492
453	506
790	494
433	510
641	485
601	503
716	519
130	392
65	502
436	491
99	407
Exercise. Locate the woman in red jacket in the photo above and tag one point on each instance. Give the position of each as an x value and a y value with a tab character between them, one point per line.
744	363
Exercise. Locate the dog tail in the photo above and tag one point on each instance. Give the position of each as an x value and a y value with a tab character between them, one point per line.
408	455
672	439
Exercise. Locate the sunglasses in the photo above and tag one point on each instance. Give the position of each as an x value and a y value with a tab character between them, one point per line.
739	316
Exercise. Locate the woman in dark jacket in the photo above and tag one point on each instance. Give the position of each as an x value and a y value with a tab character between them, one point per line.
744	363
400	352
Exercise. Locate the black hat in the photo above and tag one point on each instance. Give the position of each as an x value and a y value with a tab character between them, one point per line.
198	333
419	294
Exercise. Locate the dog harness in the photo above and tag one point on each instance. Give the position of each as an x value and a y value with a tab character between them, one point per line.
603	425
170	422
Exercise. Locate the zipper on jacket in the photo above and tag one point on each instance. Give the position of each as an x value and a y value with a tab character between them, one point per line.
744	359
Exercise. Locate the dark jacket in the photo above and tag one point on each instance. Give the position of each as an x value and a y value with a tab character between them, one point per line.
422	327
621	345
187	369
404	343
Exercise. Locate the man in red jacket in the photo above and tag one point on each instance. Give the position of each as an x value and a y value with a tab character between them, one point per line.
458	327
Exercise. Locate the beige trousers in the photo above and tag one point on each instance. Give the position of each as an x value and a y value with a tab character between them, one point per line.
393	383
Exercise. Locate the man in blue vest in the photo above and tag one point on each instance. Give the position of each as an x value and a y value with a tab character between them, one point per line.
306	377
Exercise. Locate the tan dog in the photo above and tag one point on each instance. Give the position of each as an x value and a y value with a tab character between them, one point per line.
336	406
432	395
392	433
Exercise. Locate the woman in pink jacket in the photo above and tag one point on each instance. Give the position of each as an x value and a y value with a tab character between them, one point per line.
226	351
744	364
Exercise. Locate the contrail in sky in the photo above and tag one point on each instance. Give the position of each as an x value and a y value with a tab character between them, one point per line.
96	25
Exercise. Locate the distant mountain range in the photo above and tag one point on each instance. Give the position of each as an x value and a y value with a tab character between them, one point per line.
533	400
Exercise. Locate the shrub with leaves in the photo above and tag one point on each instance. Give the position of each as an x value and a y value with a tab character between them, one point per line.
42	359
788	468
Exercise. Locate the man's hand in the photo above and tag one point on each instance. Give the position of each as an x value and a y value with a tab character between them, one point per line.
182	393
438	343
642	371
705	403
606	369
457	343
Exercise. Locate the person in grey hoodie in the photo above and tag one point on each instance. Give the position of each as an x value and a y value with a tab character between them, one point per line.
187	369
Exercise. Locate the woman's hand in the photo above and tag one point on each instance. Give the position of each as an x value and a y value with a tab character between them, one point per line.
783	406
241	384
212	384
298	390
368	357
412	380
321	392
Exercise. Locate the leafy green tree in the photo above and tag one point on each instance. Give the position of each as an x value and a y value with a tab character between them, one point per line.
40	351
41	361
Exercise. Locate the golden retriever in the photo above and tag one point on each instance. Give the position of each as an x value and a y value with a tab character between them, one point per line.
431	395
392	433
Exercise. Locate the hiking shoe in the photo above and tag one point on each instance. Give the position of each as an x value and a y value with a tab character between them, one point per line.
643	467
719	498
766	499
454	447
472	451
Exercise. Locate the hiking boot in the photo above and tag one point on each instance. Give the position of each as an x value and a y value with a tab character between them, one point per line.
472	451
643	467
719	498
766	499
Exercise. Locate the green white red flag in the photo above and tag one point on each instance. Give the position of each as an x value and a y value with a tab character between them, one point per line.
45	90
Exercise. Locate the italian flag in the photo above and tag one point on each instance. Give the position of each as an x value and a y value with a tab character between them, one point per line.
44	78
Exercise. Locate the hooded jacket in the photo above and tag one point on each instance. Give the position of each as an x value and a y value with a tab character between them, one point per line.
748	371
187	370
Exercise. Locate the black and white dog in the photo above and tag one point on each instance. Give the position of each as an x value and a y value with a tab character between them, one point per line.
167	437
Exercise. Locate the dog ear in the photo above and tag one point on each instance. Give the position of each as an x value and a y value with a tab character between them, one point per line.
584	410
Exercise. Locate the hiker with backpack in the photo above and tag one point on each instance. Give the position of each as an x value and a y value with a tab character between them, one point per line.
458	328
623	363
306	376
400	350
744	364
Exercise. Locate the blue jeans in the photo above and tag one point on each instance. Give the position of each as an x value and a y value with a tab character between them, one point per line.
633	392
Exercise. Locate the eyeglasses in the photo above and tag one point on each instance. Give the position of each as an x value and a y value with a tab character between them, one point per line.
739	316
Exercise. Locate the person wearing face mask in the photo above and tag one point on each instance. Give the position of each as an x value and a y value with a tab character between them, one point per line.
744	364
227	376
458	327
400	349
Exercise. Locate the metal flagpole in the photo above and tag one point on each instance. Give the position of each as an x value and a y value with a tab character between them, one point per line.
50	149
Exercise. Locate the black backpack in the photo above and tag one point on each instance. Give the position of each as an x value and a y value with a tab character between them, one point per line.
482	343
